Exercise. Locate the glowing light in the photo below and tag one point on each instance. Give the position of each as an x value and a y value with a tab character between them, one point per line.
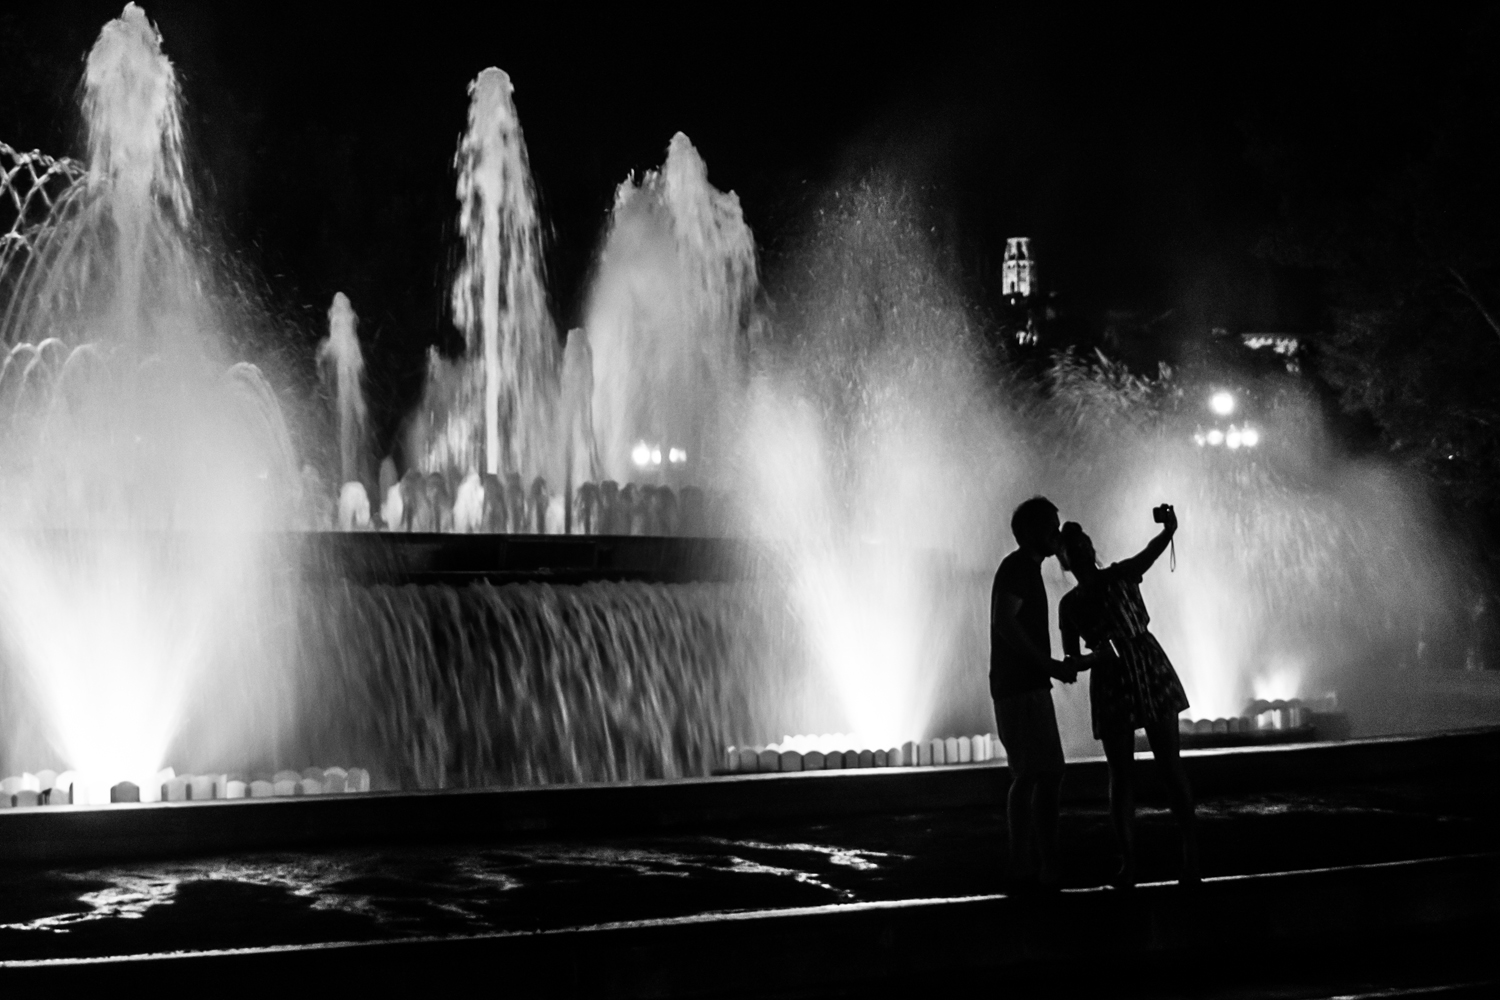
1199	439
641	454
655	456
1215	437
1232	440
677	456
1222	403
1249	437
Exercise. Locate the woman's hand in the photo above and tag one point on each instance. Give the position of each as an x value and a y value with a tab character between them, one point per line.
1169	521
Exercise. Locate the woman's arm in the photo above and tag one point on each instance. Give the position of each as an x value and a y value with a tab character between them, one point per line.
1068	627
1136	566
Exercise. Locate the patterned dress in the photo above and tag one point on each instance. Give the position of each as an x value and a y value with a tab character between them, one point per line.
1134	684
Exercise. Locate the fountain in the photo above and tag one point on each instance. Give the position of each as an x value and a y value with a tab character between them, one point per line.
158	602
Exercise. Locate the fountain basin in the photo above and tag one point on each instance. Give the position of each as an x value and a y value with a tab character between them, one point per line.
189	828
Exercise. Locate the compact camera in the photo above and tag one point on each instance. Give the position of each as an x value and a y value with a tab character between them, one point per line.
1159	514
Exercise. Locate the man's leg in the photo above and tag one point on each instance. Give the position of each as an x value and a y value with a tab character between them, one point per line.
1044	807
1019	823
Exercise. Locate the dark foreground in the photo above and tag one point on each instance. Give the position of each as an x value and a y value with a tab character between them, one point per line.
861	905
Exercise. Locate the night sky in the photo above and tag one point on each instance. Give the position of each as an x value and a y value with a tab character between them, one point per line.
1150	158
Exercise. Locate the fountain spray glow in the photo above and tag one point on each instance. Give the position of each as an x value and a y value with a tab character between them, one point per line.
491	410
342	366
670	319
141	470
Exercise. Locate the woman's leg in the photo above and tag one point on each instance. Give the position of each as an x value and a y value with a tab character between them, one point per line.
1119	749
1165	747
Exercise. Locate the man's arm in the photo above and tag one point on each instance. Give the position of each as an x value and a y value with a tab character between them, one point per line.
1008	629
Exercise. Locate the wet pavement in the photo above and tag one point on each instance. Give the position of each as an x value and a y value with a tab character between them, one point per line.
259	900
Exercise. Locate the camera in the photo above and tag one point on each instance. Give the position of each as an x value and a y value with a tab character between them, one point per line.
1159	514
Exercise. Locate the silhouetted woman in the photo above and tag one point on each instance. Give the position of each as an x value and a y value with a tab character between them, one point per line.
1133	685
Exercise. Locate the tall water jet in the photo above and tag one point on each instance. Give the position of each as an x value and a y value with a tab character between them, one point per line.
342	367
671	316
137	618
491	410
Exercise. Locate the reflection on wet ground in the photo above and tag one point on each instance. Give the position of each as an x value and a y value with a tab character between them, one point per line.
292	898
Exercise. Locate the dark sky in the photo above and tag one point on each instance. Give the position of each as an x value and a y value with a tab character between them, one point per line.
1131	148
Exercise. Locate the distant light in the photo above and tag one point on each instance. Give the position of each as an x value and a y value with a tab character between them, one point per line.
1222	403
1199	439
641	454
676	456
1215	437
655	456
1232	439
1249	437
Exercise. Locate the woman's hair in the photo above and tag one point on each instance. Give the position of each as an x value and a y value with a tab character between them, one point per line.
1074	543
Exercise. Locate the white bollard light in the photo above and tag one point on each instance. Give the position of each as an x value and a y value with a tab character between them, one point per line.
834	761
63	791
851	760
812	761
47	780
770	760
201	786
866	758
286	786
950	750
312	786
976	749
261	789
28	797
791	760
125	791
881	758
965	749
911	753
749	759
358	780
175	790
895	757
335	779
939	751
234	788
924	754
29	783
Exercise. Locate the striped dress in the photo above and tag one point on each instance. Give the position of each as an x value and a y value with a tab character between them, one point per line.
1137	685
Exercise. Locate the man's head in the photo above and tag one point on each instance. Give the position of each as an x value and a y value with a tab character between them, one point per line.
1035	525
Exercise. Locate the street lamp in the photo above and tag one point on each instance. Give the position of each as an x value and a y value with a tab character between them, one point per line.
1222	403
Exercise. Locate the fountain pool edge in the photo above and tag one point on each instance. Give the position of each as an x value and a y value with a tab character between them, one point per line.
53	834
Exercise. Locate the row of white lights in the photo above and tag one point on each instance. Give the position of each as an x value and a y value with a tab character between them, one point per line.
1235	437
644	454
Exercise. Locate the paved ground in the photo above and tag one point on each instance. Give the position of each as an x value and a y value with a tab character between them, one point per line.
363	895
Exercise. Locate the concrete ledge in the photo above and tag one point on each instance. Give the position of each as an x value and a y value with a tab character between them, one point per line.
182	829
799	951
402	557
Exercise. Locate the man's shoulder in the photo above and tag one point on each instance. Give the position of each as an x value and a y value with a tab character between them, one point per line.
1015	569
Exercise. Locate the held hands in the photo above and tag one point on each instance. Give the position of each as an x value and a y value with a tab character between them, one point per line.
1064	671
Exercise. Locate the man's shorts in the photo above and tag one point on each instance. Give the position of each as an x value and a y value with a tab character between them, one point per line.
1028	730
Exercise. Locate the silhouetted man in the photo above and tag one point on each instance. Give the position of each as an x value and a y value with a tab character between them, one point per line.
1021	672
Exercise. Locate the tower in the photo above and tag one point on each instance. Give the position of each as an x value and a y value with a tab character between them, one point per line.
1017	272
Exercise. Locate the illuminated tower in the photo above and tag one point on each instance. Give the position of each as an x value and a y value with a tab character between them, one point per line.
1017	273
